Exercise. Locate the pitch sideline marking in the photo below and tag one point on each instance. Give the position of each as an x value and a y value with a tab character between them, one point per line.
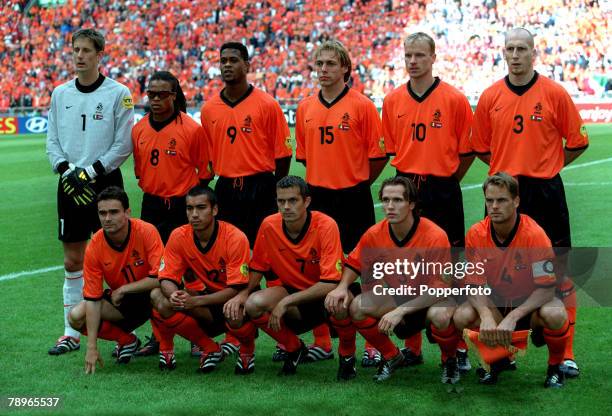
16	275
12	276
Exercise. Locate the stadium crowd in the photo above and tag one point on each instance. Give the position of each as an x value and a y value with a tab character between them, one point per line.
183	36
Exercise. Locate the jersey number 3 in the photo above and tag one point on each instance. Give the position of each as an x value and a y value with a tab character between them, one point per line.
518	127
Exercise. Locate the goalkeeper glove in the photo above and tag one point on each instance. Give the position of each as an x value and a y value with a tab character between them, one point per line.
75	180
85	197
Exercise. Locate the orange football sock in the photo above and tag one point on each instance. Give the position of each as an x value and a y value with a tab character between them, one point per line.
461	345
230	339
447	339
188	328
245	335
285	336
112	332
163	334
556	340
322	337
368	328
347	334
414	342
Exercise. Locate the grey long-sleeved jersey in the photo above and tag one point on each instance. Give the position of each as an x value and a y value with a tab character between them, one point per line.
91	123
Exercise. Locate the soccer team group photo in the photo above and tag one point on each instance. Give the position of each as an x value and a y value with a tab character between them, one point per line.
407	227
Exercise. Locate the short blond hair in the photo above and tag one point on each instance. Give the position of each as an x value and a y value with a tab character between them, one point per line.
421	36
338	48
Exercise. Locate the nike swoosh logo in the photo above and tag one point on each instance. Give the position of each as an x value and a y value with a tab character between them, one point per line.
297	361
214	121
498	108
308	120
401	115
106	264
69	106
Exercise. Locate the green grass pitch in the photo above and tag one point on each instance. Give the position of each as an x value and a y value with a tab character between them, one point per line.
31	321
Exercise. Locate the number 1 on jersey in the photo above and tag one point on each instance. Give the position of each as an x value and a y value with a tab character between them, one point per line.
84	117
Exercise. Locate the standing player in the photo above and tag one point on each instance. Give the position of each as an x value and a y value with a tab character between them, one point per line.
249	142
218	254
90	121
426	124
339	140
302	250
516	250
520	125
170	157
376	316
125	255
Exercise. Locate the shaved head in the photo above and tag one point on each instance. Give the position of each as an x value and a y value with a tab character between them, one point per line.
519	33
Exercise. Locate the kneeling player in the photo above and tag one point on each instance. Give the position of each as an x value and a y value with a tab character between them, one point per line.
212	258
517	252
302	250
375	316
125	254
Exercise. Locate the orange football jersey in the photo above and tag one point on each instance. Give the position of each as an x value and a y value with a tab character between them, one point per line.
171	161
315	255
221	263
513	268
247	136
524	132
427	134
425	240
137	258
337	139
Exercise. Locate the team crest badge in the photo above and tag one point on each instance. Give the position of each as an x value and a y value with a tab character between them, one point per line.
246	124
583	131
436	123
381	144
288	144
537	112
138	261
162	265
171	150
222	265
98	114
344	124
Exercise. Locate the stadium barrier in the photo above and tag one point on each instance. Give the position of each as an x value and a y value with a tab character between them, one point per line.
591	112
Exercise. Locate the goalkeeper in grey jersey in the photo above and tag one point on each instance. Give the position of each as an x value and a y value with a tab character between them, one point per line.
89	137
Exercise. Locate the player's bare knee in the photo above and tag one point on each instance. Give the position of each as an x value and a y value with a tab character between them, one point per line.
255	305
464	316
157	298
74	254
440	316
76	316
553	317
356	311
73	264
